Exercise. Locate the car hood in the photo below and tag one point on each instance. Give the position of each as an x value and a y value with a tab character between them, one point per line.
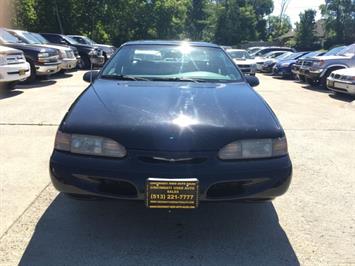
104	46
30	47
346	71
172	116
6	50
244	61
287	62
330	57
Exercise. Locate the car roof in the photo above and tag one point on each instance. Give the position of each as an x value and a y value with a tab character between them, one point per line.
164	42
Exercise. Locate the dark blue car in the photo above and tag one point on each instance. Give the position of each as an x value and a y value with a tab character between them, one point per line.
283	68
172	124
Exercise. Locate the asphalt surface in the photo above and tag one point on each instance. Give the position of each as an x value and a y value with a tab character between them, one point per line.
313	224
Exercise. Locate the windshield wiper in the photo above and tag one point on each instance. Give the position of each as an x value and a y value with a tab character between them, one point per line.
123	77
179	79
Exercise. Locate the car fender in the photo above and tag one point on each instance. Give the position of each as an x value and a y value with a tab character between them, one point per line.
335	67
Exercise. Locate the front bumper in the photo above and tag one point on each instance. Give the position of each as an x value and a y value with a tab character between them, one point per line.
282	71
68	63
267	68
9	73
126	178
47	69
341	86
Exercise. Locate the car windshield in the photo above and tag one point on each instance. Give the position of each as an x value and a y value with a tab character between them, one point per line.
334	51
70	40
254	50
88	40
311	54
239	54
8	38
348	51
29	38
283	56
39	37
172	63
272	54
294	56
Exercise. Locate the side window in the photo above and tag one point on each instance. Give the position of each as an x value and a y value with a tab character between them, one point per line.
52	38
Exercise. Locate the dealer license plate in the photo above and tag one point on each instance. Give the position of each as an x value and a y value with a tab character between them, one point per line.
172	193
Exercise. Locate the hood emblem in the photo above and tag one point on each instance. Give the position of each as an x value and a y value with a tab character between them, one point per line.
172	160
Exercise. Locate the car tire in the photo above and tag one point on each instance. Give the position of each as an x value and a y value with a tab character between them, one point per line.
302	78
312	82
85	62
33	76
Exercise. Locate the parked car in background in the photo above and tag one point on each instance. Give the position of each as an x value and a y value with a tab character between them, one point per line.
342	81
268	65
43	40
322	66
269	56
13	67
195	140
108	50
308	62
265	50
43	61
297	66
252	50
245	62
283	68
66	54
89	55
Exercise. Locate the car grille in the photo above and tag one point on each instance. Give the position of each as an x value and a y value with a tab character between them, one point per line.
12	59
341	77
165	160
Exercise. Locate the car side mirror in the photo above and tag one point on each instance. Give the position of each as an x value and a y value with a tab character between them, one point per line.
253	81
90	76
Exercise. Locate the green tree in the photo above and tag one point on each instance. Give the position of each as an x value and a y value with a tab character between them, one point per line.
277	26
340	21
197	19
262	8
236	23
305	38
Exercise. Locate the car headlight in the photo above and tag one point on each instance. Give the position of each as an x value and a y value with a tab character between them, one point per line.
63	54
285	65
42	55
254	149
89	145
318	63
3	60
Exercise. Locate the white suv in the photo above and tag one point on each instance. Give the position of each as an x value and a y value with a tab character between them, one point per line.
13	67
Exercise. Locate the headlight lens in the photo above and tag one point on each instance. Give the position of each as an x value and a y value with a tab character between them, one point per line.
285	64
92	52
89	145
63	54
318	63
254	149
41	55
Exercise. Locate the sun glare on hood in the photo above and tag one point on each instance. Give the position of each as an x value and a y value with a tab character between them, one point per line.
184	121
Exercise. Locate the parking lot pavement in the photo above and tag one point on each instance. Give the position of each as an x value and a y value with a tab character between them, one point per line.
313	224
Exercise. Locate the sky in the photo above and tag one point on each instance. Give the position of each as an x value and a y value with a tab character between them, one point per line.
295	7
